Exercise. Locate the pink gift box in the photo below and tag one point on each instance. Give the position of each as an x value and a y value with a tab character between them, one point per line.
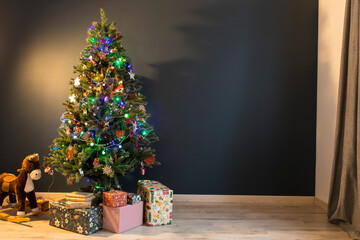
123	218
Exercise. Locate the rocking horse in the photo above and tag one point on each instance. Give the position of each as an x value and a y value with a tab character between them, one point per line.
22	186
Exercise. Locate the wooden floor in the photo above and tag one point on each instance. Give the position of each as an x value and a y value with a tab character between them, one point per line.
250	220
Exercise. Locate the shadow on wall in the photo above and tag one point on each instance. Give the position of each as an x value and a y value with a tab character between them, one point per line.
238	115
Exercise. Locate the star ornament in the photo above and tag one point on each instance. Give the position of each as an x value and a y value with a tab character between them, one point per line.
77	82
132	75
107	170
72	98
142	108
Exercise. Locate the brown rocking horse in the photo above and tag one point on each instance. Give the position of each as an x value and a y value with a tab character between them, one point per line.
22	186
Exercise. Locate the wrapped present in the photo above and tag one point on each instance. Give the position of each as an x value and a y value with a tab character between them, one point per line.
123	218
114	198
158	202
43	205
80	197
84	221
133	198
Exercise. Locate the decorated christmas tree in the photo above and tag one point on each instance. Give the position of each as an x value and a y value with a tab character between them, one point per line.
103	132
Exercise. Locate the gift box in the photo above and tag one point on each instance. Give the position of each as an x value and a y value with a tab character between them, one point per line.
123	218
133	198
158	202
83	220
114	198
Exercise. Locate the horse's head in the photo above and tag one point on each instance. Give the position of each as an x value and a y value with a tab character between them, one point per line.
32	166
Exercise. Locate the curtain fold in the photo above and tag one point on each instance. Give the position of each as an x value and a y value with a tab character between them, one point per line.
344	199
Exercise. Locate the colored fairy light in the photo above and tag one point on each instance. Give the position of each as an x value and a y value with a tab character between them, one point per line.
118	62
103	152
69	121
120	146
82	132
126	115
117	99
106	98
92	144
145	133
122	103
93	40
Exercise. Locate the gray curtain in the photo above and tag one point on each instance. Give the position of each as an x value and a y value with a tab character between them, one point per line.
344	199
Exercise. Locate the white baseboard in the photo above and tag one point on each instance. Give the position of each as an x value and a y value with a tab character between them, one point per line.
320	203
241	198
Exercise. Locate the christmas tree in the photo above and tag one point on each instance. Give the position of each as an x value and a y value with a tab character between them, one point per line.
103	132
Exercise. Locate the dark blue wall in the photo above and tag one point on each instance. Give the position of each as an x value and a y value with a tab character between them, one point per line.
231	86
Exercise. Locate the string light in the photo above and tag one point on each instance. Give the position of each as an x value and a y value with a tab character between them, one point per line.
93	40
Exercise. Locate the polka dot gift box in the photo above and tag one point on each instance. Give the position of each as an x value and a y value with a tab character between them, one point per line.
158	202
115	198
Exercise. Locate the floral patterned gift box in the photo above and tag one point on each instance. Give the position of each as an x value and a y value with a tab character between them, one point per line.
158	202
80	220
